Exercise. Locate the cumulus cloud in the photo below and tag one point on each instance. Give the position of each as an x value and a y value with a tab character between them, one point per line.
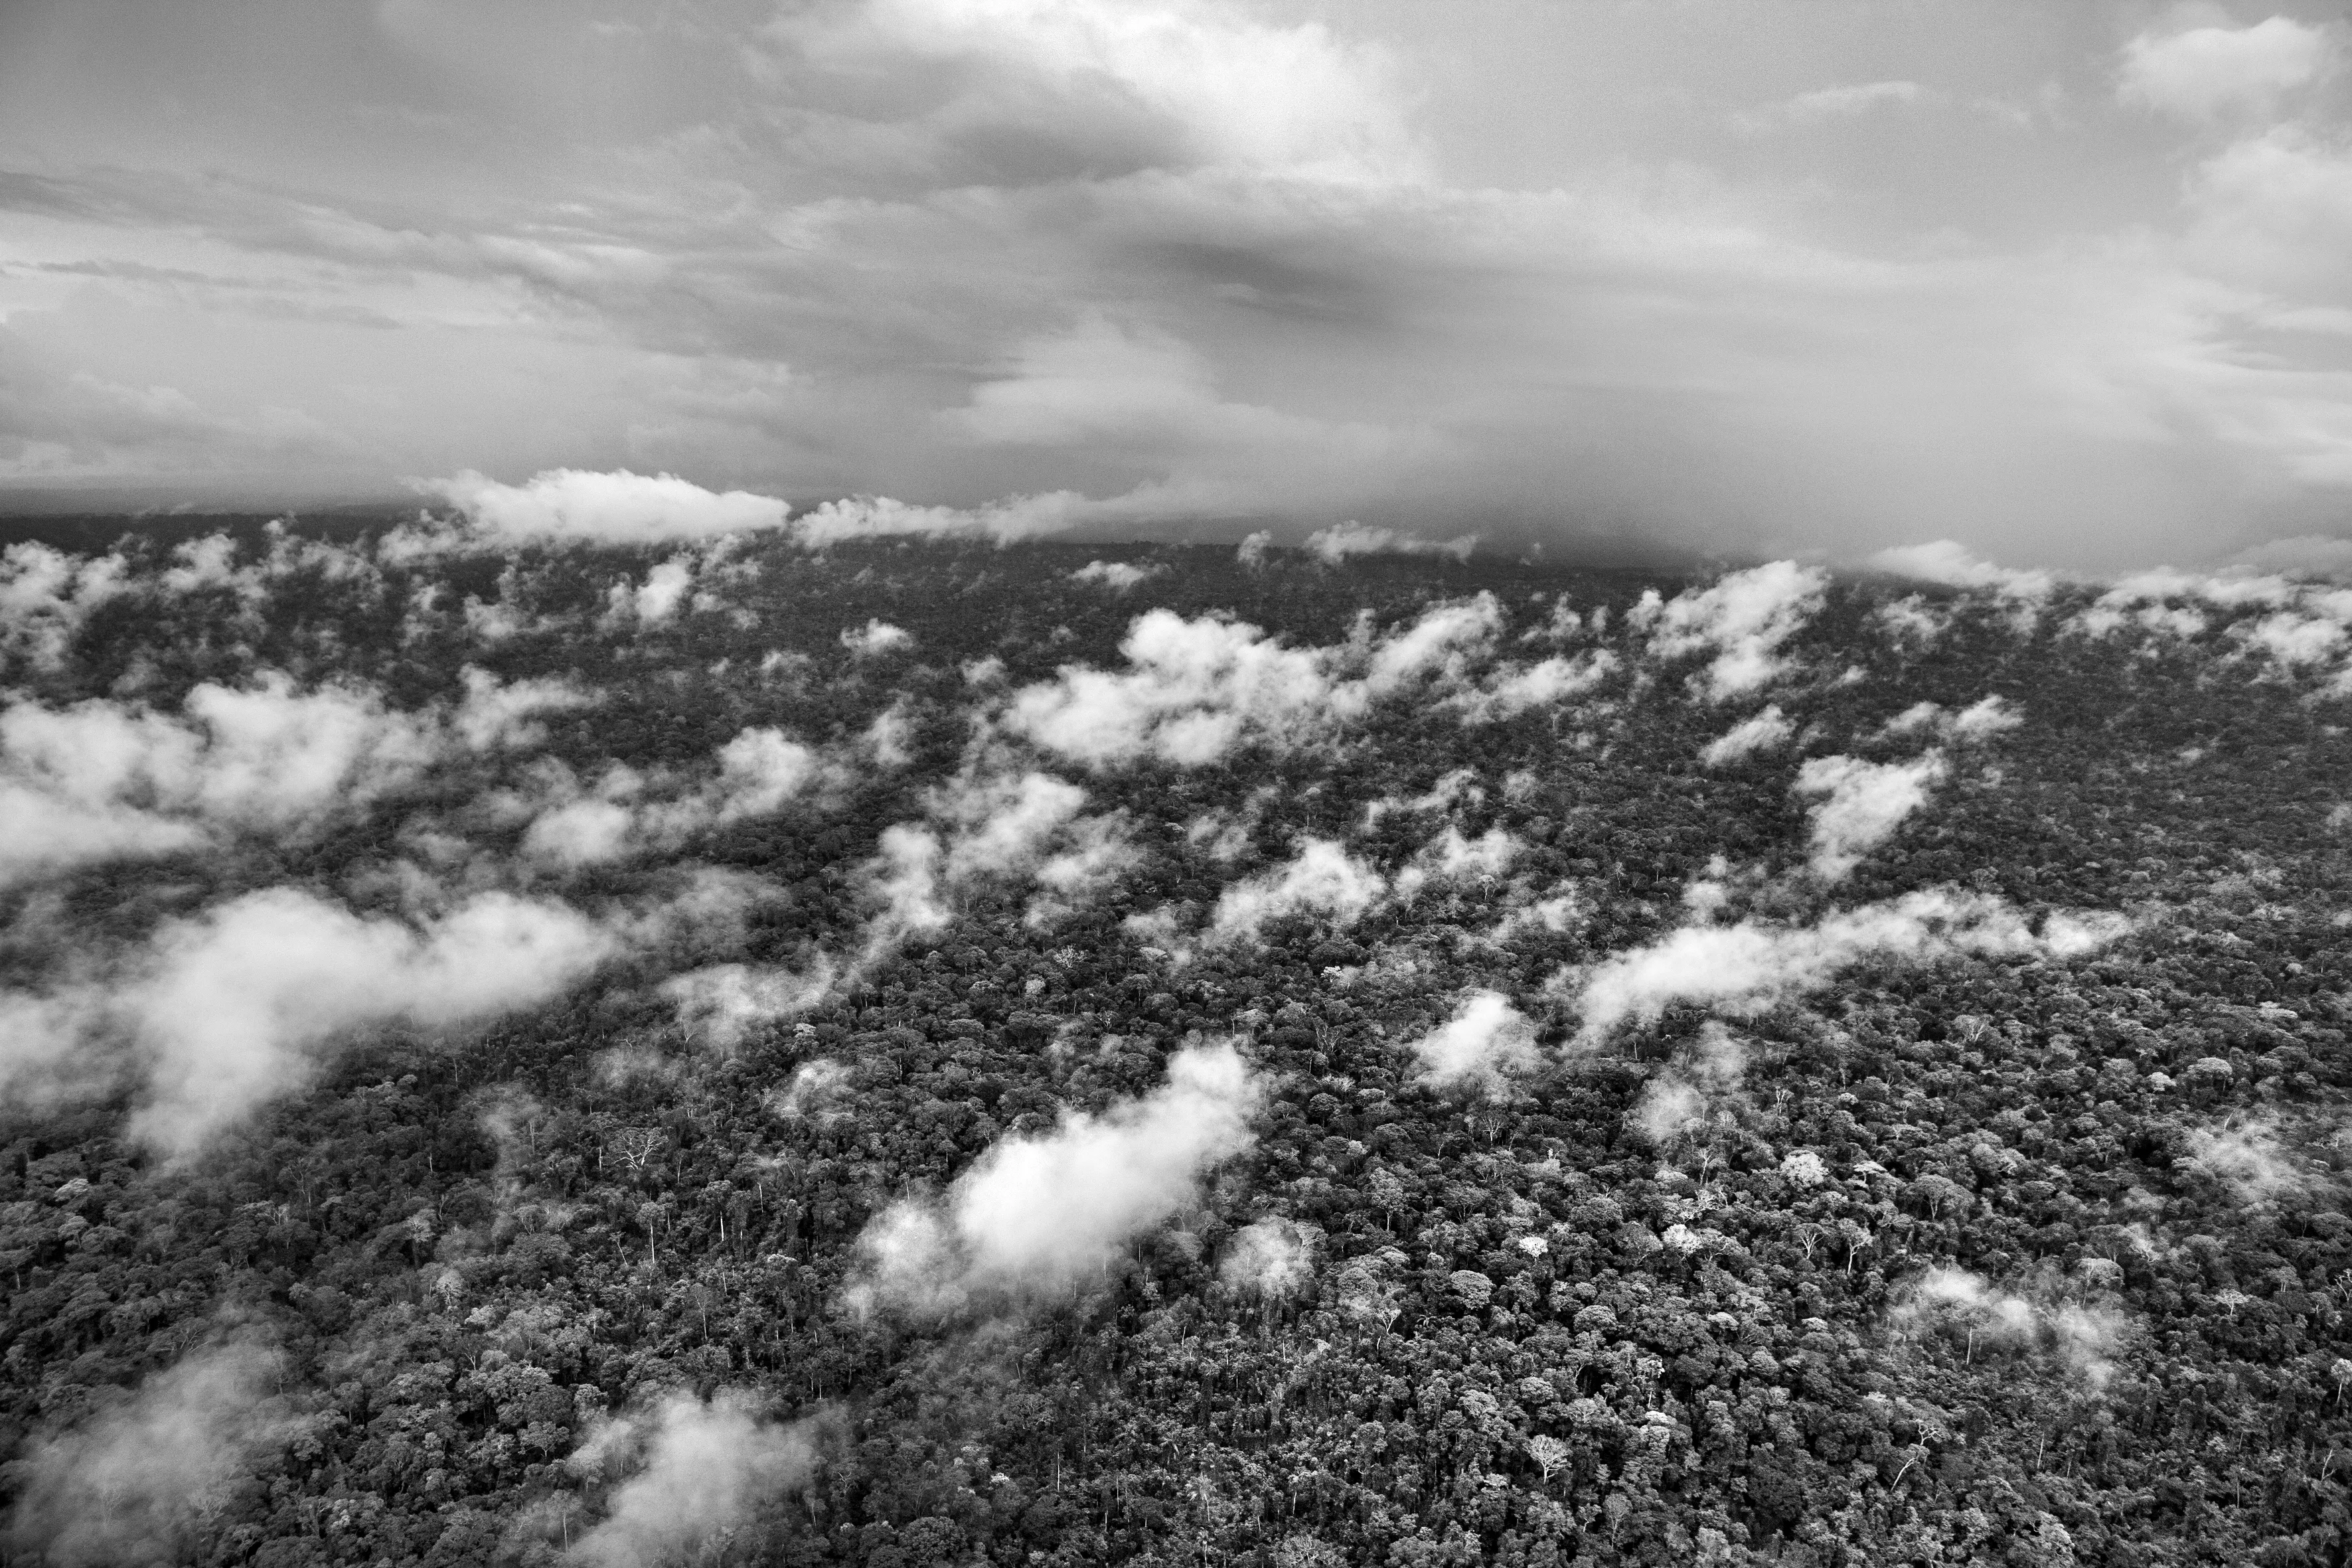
47	593
657	599
697	1471
760	771
1744	619
1862	805
2167	602
1321	880
1334	544
1979	721
1484	1042
1119	576
1750	967
876	637
999	522
1034	1216
226	1010
575	506
1194	689
102	780
1952	565
1765	732
129	1483
2203	73
1510	690
1453	857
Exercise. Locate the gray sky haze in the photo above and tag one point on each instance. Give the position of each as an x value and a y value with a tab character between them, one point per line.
2070	284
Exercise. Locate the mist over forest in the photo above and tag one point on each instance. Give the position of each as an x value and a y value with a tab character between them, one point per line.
604	1025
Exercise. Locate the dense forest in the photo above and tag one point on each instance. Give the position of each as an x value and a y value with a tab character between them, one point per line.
783	1049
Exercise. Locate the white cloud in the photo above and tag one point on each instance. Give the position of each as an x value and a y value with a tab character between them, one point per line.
1484	1041
876	637
1195	690
654	600
1452	857
1744	619
879	517
2082	1335
1831	103
1765	732
1035	1216
760	771
47	593
2249	1158
1272	1257
1984	719
1749	967
725	1001
130	1482
575	506
233	1002
226	1010
2274	211
1953	565
2202	73
1979	721
1334	544
1219	87
1700	1087
101	780
494	714
1119	576
1321	880
1511	689
1862	804
701	1470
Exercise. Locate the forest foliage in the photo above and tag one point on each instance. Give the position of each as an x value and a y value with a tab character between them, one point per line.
916	1052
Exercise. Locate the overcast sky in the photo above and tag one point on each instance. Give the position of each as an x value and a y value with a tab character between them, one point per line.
2071	284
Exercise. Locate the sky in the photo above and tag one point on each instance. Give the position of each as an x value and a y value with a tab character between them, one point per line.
2069	284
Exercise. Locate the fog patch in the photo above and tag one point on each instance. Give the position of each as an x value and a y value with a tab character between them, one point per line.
135	1479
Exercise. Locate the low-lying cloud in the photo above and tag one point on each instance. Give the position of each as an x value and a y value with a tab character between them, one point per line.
1750	967
224	1011
1479	1047
696	1470
101	780
1034	1217
1744	619
130	1482
576	506
1862	805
